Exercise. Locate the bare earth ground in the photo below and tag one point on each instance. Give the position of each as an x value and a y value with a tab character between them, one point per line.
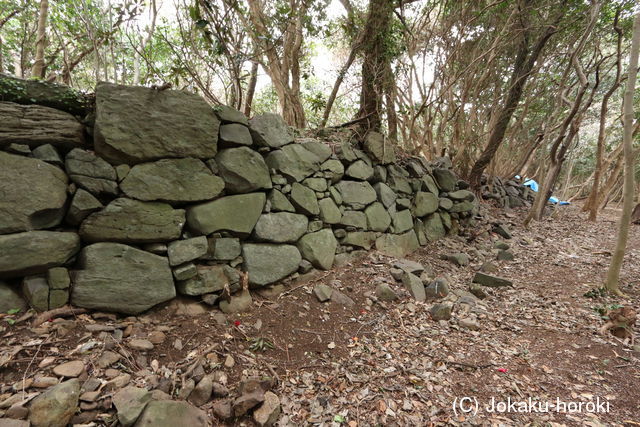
389	363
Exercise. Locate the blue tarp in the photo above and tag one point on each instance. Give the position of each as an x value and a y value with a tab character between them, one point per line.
534	186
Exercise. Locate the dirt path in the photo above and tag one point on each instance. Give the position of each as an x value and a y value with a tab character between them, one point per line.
371	363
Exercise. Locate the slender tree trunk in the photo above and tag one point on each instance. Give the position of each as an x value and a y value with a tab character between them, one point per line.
251	89
336	86
374	63
38	65
613	274
524	64
591	204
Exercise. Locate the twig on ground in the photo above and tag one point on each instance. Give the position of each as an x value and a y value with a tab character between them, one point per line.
57	312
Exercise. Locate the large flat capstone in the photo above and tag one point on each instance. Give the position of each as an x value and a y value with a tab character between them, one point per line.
137	124
35	125
119	278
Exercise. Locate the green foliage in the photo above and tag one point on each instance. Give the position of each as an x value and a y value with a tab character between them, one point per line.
260	344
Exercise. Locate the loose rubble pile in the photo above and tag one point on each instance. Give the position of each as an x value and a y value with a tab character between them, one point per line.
507	193
159	194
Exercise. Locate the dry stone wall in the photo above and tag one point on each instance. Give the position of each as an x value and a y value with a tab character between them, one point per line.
163	195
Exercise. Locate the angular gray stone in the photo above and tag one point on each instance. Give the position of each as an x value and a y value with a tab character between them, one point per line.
316	184
279	202
477	291
356	194
445	203
36	291
433	227
505	255
225	248
378	218
385	293
58	278
130	402
137	124
355	219
329	212
360	170
304	199
233	134
446	179
458	259
502	231
491	281
414	285
402	221
322	292
425	204
172	181
91	172
461	195
48	153
397	245
385	194
122	279
132	221
182	251
441	311
267	263
398	182
334	170
228	114
281	227
56	406
268	412
201	394
319	248
185	271
35	252
294	161
465	206
210	278
82	205
439	288
380	148
36	125
427	183
10	299
237	303
360	239
243	170
270	130
409	266
171	413
32	194
237	213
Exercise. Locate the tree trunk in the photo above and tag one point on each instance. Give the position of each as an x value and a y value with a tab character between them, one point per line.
613	274
374	64
251	89
51	95
524	63
38	65
591	204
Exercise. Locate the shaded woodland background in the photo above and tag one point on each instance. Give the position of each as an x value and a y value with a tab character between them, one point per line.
514	87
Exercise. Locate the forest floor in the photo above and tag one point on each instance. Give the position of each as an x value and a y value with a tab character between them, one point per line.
374	363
